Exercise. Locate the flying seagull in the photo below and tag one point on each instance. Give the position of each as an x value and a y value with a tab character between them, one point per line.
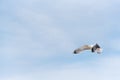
93	48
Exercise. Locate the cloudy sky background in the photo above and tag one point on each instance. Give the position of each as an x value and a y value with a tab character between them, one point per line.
37	39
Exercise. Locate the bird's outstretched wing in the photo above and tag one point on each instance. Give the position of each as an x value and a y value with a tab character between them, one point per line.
82	48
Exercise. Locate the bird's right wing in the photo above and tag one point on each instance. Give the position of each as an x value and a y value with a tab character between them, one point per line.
82	48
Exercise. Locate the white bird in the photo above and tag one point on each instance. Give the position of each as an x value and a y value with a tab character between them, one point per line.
93	48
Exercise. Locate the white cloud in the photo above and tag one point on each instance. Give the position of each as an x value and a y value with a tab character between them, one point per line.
39	32
36	30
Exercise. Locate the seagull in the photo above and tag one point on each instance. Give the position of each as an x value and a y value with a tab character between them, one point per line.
93	48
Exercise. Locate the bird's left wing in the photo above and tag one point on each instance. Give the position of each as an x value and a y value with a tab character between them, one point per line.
82	48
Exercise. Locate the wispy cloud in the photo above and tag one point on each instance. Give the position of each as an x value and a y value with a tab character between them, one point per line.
38	38
99	69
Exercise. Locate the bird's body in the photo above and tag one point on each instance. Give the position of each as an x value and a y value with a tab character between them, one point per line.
93	48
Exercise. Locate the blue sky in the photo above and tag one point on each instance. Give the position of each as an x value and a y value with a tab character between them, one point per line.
37	39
